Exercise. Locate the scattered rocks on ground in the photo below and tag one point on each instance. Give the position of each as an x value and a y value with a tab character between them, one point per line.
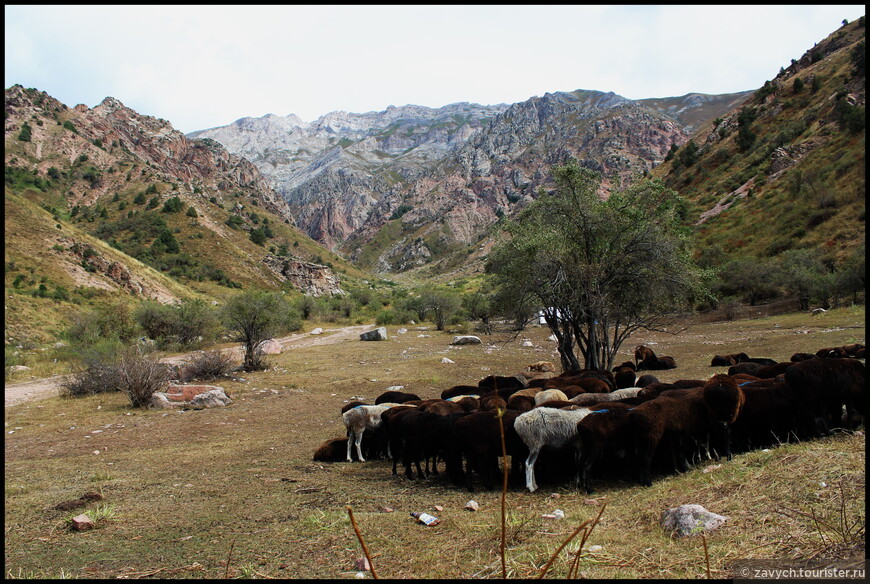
447	361
466	340
317	331
210	399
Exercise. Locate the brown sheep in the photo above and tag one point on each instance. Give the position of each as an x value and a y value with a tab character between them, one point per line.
724	398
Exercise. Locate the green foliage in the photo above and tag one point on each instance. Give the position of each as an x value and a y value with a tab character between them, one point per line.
165	243
172	205
443	305
258	237
25	133
235	221
745	135
139	199
688	154
152	204
112	321
69	126
403	208
255	316
185	323
191	212
599	269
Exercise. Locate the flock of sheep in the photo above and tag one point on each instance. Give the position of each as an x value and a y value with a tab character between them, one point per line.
598	424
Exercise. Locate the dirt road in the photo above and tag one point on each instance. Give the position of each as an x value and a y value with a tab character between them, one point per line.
17	393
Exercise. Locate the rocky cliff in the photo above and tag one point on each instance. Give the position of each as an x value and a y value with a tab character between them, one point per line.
449	173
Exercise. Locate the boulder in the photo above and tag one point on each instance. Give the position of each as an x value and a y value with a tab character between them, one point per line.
690	520
317	331
447	361
466	340
379	334
270	347
159	401
210	399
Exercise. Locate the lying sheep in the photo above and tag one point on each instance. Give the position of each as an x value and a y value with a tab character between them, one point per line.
548	427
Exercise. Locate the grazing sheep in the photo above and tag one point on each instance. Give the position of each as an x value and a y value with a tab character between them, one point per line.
677	421
359	419
479	436
801	357
590	399
728	360
771	371
586	382
769	415
724	398
646	380
745	367
460	390
469	403
395	397
496	382
521	403
625	377
657	363
492	401
549	395
541	367
548	427
605	430
825	385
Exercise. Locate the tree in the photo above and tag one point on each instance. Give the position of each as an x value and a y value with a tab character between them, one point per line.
254	316
598	269
25	133
172	205
443	306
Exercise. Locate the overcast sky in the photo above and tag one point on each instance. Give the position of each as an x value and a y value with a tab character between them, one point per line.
205	66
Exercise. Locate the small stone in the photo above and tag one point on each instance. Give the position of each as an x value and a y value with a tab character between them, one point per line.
445	360
595	548
472	505
688	520
363	564
438	508
711	468
82	522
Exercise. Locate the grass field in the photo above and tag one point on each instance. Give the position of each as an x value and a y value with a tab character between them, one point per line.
233	492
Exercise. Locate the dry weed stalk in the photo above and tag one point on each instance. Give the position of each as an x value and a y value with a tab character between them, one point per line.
362	543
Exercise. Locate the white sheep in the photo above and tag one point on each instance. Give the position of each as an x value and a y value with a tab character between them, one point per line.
550	395
588	399
547	427
359	419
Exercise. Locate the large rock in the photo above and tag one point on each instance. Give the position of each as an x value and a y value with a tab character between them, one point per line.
466	340
690	520
379	334
210	399
270	347
159	401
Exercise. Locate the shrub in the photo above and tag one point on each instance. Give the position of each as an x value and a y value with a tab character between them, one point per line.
136	374
209	365
172	205
24	135
191	212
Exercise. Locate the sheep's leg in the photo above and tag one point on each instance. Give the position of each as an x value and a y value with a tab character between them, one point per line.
350	438
530	469
358	443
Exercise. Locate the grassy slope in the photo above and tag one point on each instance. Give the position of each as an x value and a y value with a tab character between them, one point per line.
817	202
192	489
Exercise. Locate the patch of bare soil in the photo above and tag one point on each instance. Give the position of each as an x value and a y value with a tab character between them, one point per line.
17	393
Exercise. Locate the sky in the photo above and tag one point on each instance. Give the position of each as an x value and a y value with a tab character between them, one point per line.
201	67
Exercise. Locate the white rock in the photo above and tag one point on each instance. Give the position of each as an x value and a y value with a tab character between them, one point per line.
446	360
317	331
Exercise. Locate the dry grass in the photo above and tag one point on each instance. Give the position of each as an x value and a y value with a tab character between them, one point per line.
189	488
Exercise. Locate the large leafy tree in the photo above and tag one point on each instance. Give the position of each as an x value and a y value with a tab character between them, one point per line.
600	269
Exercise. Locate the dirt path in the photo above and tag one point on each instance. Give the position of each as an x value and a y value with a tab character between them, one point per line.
17	393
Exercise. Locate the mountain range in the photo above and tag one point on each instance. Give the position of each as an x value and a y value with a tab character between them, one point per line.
101	200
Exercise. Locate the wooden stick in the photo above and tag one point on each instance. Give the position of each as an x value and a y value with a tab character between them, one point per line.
362	543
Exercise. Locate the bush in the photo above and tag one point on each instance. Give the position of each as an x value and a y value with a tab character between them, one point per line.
209	365
136	374
172	205
24	135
